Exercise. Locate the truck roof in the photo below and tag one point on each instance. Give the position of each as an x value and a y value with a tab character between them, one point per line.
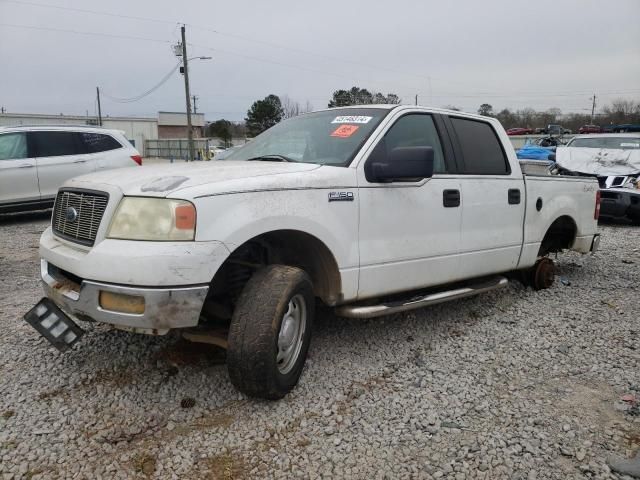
387	106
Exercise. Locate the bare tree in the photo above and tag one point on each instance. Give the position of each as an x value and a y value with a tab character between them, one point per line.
527	116
290	107
549	116
622	111
308	107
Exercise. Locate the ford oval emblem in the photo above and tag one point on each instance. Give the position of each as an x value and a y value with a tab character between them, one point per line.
71	214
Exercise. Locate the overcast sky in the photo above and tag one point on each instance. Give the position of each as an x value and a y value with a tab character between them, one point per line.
540	54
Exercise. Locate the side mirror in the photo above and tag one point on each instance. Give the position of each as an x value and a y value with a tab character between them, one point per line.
404	163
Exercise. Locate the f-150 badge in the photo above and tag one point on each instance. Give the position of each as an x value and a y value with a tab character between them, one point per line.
341	196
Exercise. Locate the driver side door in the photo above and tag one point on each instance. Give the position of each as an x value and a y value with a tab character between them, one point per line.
409	233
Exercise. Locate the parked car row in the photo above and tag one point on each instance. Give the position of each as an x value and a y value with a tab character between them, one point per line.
589	129
520	131
554	129
551	129
35	161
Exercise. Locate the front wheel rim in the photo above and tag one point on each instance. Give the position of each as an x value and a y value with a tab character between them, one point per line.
291	334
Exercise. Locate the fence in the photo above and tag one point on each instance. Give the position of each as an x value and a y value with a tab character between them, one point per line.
176	149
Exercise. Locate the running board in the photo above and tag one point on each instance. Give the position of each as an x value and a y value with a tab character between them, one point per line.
371	311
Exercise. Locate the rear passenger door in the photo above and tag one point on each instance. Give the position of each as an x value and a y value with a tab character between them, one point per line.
492	197
60	155
105	151
18	176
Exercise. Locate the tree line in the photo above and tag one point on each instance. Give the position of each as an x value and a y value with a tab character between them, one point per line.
619	111
272	109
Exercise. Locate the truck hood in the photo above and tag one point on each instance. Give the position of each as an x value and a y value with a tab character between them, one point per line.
599	161
164	180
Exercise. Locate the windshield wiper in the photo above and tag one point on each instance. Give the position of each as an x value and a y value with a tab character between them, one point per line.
271	158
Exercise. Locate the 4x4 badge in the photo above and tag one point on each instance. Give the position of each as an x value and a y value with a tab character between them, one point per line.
341	196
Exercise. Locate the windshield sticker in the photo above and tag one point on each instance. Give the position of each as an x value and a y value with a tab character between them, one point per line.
352	119
632	145
344	131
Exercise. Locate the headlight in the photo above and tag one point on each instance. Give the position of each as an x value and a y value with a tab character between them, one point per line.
160	219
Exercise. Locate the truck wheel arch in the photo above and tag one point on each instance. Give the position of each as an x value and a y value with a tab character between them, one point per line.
559	236
293	248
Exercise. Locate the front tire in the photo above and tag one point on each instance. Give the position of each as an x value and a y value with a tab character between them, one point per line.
270	332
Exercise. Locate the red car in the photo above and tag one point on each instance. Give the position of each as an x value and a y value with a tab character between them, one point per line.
520	131
590	129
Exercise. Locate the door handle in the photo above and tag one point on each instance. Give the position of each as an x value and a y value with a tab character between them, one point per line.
80	161
451	198
26	166
513	196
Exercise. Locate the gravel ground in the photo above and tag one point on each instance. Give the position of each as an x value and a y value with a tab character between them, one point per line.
513	384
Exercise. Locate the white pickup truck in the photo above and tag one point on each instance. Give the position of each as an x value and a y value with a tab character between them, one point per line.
371	210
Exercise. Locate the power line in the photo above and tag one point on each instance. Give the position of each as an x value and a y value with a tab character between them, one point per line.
146	93
275	45
284	64
78	32
93	12
217	32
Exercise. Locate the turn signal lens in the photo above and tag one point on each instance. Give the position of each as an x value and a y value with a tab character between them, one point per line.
185	217
121	303
596	213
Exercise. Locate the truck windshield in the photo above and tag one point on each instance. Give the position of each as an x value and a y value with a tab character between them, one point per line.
331	137
623	143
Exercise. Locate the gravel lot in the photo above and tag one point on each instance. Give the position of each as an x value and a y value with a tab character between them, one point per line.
513	384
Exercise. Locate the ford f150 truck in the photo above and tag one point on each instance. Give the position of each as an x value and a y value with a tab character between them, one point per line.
371	210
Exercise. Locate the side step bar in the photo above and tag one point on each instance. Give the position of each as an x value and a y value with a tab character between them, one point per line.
371	311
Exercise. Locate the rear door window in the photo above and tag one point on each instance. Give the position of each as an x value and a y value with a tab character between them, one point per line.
13	146
480	148
98	142
56	144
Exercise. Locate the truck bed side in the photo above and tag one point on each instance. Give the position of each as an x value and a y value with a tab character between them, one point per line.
558	206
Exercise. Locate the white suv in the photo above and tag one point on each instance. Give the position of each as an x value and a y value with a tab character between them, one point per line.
35	161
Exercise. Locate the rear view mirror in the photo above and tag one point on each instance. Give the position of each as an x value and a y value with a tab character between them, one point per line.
404	163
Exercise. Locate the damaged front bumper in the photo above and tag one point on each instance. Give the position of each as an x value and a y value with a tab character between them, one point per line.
138	309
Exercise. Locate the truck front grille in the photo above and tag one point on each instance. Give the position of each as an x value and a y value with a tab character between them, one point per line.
77	214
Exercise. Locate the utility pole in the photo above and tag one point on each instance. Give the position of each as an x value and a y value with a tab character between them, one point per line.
195	108
593	108
99	110
186	91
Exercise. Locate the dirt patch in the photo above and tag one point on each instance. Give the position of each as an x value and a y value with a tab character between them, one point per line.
144	463
50	394
593	401
7	414
112	378
216	420
225	467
